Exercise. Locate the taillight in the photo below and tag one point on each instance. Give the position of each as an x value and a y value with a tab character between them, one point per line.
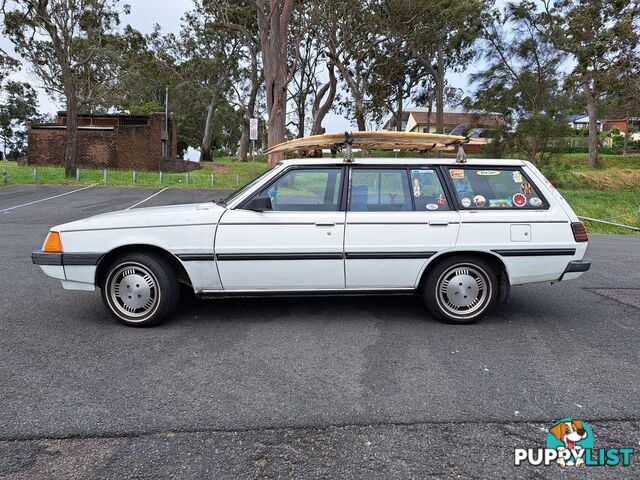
579	232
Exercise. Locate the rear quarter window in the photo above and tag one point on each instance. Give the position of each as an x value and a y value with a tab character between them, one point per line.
495	189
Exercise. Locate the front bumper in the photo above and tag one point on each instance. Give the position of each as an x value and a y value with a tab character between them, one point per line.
46	258
76	271
576	266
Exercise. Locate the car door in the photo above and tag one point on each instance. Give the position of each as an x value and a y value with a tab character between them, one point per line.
297	244
397	219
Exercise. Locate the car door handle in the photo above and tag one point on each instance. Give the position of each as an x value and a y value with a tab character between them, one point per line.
438	224
325	224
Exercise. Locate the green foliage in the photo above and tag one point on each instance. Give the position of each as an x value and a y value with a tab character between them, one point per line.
18	106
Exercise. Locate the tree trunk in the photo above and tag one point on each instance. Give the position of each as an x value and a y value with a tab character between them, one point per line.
626	134
273	42
359	111
302	114
244	144
205	147
593	126
318	110
399	113
71	149
440	91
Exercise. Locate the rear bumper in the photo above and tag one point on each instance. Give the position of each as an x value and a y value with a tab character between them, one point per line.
575	267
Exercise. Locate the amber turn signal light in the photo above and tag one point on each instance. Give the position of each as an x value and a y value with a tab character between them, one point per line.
52	244
579	232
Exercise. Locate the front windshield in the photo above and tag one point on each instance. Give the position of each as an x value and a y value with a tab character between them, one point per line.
243	189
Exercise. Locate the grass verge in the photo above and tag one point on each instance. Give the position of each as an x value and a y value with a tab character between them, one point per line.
619	206
221	174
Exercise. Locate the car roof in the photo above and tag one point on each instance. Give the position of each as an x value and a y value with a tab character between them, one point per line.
386	161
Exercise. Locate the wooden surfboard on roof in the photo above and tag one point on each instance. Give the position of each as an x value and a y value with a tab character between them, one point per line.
385	140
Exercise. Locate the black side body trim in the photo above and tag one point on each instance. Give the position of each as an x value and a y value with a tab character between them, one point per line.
81	258
536	252
221	257
196	257
46	258
388	255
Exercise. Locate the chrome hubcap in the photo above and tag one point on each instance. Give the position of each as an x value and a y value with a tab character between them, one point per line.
133	290
463	290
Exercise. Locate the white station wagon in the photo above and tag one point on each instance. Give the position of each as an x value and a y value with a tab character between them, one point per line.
457	234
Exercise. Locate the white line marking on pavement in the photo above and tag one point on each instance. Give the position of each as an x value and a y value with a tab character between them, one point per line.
48	198
148	198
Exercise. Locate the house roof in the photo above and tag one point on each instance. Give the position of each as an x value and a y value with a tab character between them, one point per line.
573	118
456	118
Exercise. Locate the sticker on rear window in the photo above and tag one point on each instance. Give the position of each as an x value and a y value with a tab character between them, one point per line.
500	202
517	177
487	173
535	201
519	200
466	202
479	201
526	188
456	173
432	206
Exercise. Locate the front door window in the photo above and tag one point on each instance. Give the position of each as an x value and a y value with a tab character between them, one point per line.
316	190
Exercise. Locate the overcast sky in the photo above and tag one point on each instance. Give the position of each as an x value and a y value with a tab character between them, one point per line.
167	13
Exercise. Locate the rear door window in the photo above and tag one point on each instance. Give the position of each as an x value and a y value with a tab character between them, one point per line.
495	189
380	190
427	190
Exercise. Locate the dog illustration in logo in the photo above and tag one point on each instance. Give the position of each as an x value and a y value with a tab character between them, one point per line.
569	433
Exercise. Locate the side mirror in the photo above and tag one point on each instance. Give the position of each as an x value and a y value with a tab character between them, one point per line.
259	204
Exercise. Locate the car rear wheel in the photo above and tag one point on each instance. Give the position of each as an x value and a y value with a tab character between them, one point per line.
461	289
140	289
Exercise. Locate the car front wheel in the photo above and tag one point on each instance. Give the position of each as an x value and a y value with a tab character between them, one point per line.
461	289
140	289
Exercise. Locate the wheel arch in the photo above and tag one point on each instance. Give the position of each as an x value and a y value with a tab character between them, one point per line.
107	259
500	268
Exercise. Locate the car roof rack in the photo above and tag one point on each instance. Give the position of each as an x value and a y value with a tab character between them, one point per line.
381	140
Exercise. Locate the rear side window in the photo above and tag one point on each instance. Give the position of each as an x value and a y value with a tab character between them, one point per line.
383	190
486	188
427	190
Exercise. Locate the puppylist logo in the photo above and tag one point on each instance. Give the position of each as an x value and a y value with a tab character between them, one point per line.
570	444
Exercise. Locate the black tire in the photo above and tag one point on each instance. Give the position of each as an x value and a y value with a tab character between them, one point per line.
461	289
150	289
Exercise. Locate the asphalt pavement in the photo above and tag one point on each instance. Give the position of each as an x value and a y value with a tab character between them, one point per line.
368	387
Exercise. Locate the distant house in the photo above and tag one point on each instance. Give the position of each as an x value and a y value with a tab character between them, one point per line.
419	119
581	121
611	123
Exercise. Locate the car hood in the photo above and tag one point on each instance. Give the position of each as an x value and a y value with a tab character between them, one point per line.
173	215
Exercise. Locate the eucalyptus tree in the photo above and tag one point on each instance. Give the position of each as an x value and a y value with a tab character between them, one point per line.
351	36
67	44
313	82
272	19
205	62
602	38
445	41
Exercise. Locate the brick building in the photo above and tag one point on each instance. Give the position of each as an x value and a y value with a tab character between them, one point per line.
120	141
